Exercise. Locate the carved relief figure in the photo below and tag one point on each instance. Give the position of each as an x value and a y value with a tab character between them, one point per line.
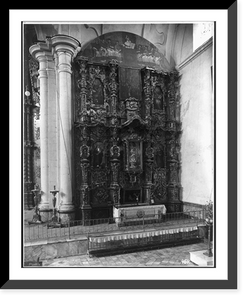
159	158
84	152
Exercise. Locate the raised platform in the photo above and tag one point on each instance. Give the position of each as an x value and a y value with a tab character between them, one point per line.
101	244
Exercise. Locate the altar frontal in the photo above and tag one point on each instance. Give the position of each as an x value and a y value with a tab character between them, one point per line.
138	213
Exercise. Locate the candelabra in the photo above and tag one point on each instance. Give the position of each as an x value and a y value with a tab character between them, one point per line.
55	219
137	198
209	224
36	217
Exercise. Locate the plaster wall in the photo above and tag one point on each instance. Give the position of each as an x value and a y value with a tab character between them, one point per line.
197	141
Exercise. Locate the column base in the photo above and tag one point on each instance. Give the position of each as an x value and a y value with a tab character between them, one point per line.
45	214
66	213
115	194
65	217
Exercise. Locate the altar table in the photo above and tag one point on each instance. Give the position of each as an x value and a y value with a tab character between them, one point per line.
138	213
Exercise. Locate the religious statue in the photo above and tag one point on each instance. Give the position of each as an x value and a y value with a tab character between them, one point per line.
97	92
98	156
158	98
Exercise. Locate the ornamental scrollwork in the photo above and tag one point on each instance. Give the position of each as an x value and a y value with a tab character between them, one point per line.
127	140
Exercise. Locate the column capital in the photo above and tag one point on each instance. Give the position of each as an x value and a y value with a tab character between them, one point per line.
41	51
64	43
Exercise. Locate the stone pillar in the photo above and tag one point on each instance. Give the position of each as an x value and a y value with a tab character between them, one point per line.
64	47
42	54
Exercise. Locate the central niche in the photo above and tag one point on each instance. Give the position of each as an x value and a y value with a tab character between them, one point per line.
132	196
133	158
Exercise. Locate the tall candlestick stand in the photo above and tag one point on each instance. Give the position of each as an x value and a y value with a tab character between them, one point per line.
209	224
55	219
36	217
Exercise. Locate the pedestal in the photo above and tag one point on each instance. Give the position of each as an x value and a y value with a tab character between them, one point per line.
200	259
45	214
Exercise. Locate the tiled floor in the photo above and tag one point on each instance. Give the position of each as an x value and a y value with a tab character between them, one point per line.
167	257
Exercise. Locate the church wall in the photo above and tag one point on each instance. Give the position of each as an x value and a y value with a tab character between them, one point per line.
197	148
182	46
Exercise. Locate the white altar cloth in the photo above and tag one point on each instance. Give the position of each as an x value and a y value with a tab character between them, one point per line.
136	235
138	213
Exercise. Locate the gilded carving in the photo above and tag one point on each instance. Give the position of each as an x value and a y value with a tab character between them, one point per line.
84	152
159	186
127	145
100	195
115	151
99	178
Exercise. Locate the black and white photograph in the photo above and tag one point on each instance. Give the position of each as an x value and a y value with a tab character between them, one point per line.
118	144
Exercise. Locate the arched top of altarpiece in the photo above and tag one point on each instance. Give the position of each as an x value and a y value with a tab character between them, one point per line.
128	49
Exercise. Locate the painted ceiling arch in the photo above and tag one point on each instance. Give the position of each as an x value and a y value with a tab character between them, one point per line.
129	49
173	41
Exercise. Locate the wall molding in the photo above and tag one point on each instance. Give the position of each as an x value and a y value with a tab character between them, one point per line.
195	54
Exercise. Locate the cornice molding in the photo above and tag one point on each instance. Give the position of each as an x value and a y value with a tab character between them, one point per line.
195	54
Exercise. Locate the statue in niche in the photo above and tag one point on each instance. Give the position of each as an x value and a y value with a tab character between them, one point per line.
158	98
84	152
98	155
97	92
159	158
